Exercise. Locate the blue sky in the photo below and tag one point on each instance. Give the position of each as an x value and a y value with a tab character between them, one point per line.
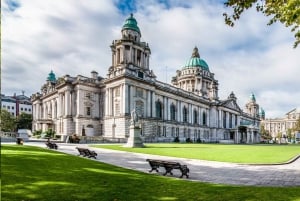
73	37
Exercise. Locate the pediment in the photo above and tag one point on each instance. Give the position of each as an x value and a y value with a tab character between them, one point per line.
231	104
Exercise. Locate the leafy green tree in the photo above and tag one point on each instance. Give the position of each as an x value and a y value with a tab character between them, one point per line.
7	121
265	134
50	133
24	121
289	133
285	11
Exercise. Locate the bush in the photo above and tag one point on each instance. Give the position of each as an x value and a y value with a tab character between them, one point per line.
176	139
37	132
198	140
189	140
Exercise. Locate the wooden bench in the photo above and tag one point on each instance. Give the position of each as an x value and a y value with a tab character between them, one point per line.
51	145
86	152
169	166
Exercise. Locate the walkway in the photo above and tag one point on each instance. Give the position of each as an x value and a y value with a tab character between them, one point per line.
205	171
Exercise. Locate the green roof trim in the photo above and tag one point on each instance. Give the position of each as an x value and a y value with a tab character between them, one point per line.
196	61
131	24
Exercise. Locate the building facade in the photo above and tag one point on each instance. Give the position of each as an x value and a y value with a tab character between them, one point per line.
16	104
189	108
279	127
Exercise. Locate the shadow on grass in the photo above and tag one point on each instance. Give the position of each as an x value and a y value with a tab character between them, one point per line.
31	173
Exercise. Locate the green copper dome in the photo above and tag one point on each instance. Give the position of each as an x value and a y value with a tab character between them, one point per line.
252	97
51	77
131	23
195	61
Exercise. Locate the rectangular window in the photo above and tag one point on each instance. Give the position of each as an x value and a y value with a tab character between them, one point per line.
165	131
158	131
140	74
139	92
88	111
117	91
8	107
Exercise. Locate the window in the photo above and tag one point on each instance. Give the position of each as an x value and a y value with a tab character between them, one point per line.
25	109
117	91
195	117
117	108
140	74
172	111
88	111
184	112
204	118
177	132
139	92
12	107
8	107
165	131
158	106
224	119
88	95
29	110
230	120
158	131
173	132
139	107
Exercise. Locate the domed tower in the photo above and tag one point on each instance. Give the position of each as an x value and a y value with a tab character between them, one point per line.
196	77
129	54
252	107
51	77
262	114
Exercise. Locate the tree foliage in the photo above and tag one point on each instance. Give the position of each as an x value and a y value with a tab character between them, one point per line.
7	122
285	11
24	121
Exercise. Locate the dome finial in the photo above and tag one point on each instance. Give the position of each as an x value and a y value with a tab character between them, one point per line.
195	52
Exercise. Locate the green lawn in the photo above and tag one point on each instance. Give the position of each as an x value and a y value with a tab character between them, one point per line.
32	173
261	153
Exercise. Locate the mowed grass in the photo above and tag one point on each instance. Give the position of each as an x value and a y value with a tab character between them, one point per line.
31	173
257	154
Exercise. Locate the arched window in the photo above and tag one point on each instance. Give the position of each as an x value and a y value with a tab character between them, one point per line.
158	106
172	111
195	117
204	118
184	114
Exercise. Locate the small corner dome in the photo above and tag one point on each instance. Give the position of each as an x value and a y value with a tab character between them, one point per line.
252	97
51	77
196	61
131	24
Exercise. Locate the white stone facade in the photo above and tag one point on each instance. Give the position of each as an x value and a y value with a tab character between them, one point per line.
188	109
281	126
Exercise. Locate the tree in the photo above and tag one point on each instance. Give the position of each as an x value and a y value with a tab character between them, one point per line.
7	121
285	11
265	134
24	121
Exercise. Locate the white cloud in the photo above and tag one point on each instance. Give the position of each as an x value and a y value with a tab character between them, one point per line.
73	37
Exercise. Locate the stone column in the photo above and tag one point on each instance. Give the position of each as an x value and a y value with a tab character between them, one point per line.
67	103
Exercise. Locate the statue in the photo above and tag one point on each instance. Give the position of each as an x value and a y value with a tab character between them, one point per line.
134	117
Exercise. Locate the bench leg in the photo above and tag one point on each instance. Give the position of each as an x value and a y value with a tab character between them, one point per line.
168	170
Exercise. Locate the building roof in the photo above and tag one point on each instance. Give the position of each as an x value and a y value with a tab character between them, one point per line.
131	24
196	61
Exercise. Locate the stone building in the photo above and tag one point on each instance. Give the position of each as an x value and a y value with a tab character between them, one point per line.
189	108
279	126
16	104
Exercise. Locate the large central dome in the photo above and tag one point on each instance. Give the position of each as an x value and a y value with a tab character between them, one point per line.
195	61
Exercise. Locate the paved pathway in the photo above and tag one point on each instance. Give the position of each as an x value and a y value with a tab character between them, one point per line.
205	171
